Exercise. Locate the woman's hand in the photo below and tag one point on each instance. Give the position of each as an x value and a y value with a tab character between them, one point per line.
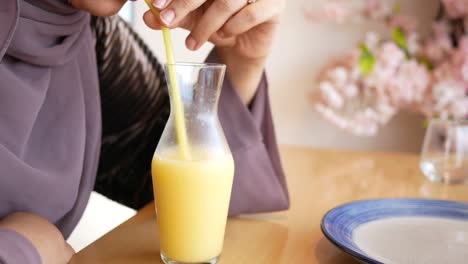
246	28
242	32
99	7
45	237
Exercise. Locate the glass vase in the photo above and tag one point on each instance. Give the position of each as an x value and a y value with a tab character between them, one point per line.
193	181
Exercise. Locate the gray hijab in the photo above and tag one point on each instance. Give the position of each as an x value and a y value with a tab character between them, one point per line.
50	123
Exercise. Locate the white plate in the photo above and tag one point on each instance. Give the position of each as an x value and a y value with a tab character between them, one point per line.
400	230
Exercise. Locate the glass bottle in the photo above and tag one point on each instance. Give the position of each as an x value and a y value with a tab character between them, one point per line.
193	181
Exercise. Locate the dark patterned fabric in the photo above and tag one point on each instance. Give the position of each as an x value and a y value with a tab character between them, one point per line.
135	107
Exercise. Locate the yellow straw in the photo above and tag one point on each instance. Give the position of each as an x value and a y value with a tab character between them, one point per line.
180	128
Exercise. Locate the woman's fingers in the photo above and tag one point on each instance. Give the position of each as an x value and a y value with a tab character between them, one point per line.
252	15
221	22
177	10
217	14
151	21
160	4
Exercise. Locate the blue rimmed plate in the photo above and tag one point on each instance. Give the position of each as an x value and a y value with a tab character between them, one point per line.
400	230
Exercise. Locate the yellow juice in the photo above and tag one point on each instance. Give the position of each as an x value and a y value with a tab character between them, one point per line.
192	201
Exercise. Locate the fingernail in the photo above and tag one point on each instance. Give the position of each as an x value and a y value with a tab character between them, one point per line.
159	3
167	16
191	43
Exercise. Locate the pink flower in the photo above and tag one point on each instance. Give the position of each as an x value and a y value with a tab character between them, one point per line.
330	115
437	47
344	100
336	11
372	41
390	55
406	23
362	123
388	58
414	44
433	51
460	61
375	9
456	8
362	91
441	29
331	11
330	95
449	99
409	84
340	11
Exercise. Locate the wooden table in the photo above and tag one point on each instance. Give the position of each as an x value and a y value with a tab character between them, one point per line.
318	181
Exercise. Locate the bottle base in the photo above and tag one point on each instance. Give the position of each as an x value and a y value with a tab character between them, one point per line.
170	261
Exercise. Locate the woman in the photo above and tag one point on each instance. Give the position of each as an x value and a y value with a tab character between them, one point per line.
58	141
